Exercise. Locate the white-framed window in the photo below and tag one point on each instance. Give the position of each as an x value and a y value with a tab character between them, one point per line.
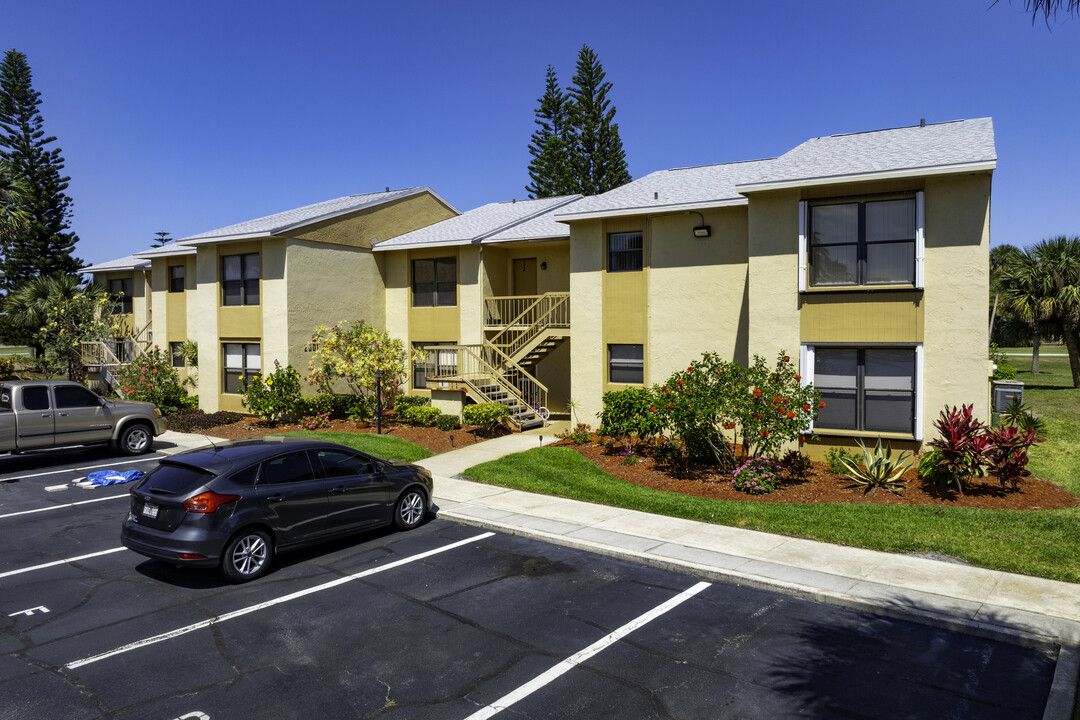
240	279
857	242
626	364
242	361
871	388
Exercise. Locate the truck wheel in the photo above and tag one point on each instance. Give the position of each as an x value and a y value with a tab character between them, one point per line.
135	439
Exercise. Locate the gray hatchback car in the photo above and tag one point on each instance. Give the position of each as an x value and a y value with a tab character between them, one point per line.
234	505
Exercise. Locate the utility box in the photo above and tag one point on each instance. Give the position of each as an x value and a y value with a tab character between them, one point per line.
1005	391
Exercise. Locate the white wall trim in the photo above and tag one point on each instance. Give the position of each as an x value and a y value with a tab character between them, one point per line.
920	239
806	369
918	391
802	245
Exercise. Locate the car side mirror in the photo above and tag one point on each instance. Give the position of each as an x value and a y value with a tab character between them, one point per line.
101	401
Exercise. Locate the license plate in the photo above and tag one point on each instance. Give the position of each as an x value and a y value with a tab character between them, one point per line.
150	510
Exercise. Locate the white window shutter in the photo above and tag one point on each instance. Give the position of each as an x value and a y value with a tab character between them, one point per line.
918	391
806	369
802	245
920	240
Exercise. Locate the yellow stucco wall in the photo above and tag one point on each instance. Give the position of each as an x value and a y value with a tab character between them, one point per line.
957	285
439	324
773	274
588	355
878	317
382	222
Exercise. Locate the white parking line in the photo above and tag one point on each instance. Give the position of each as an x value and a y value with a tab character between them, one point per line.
59	562
92	467
581	656
270	603
64	505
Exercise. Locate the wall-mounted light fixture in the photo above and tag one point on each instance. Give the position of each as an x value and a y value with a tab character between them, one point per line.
702	230
543	264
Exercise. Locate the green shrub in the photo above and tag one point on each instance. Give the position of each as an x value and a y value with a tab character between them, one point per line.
836	460
448	422
419	415
407	401
580	435
630	415
273	396
7	368
318	421
194	420
879	468
485	416
796	465
334	405
152	378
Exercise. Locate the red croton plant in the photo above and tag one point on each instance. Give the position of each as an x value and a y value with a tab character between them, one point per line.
967	445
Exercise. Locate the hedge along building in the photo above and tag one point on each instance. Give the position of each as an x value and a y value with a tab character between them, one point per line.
864	255
486	296
253	292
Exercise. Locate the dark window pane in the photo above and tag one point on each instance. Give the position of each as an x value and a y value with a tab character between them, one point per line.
251	292
245	477
446	270
835	265
840	411
177	358
626	364
293	467
68	396
251	266
889	411
35	398
890	262
231	267
625	251
337	464
836	367
890	369
834	224
232	292
173	478
890	220
176	278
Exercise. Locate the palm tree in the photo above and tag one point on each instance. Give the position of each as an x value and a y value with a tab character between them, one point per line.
13	217
1042	285
999	256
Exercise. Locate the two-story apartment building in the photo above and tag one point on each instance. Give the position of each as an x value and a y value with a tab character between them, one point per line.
862	255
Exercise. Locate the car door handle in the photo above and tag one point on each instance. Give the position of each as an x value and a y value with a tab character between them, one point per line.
63	414
46	414
275	498
338	490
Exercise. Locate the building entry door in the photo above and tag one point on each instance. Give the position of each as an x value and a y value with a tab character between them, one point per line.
525	276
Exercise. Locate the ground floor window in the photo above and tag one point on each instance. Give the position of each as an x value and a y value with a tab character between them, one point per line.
626	364
435	362
869	389
177	356
242	362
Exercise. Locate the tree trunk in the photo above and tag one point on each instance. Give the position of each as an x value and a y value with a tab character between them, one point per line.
993	314
1035	353
1069	331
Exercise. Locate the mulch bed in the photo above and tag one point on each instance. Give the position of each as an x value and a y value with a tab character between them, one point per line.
821	486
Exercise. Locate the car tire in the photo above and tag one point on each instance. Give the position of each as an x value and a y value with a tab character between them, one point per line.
135	439
247	556
410	509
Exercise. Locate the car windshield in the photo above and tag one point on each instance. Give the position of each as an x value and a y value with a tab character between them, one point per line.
173	478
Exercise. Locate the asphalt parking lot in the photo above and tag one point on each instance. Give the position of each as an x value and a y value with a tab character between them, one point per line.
447	621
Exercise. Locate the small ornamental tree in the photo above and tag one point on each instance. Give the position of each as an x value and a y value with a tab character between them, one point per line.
152	378
714	402
274	396
630	415
69	322
350	355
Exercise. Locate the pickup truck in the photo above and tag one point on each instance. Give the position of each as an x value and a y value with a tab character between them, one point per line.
38	414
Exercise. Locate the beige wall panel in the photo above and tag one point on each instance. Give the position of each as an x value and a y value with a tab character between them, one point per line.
697	290
434	325
556	277
588	358
449	402
554	372
203	321
397	298
773	274
862	318
957	285
379	223
496	270
470	296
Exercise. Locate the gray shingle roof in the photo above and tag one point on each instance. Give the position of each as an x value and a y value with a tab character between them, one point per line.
128	262
934	147
166	250
299	217
479	224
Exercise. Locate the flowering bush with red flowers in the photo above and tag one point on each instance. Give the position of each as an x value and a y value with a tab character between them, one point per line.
631	415
152	378
715	405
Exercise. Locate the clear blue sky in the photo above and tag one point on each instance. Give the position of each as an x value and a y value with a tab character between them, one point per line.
189	116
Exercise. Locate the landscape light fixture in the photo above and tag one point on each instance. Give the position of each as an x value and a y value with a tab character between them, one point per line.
702	230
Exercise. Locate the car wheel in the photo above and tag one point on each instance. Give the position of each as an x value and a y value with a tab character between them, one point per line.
135	439
410	509
247	556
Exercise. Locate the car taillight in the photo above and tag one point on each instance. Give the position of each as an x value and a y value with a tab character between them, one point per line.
208	502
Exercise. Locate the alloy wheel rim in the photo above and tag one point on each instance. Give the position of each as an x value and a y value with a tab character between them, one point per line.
412	508
249	555
137	439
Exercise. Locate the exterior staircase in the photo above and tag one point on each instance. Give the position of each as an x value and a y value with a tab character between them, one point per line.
525	330
105	358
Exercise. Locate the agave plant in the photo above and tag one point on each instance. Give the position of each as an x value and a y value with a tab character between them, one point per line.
879	468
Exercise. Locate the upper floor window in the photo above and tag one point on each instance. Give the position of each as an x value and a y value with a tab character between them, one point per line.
626	251
121	294
176	278
872	242
434	282
240	279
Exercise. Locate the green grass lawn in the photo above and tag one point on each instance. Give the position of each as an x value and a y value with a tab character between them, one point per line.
1044	543
384	446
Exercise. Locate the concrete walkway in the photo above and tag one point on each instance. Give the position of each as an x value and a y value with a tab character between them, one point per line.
949	594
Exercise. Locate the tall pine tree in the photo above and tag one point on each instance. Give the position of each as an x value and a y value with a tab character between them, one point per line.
550	170
45	245
597	150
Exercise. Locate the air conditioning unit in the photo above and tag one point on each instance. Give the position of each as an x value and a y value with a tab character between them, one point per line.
1005	391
